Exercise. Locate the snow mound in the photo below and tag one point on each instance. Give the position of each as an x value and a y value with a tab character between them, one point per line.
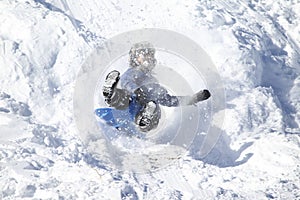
253	44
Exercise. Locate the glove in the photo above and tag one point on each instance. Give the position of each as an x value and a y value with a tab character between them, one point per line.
200	96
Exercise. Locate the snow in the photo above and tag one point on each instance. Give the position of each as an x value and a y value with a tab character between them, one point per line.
255	46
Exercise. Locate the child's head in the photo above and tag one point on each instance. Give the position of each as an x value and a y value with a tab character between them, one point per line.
142	56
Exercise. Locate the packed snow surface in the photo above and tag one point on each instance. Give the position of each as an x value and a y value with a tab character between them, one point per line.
255	46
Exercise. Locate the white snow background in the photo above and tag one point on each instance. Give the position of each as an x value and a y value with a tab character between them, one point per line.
255	46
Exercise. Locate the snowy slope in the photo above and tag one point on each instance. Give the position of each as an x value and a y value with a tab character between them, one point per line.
255	46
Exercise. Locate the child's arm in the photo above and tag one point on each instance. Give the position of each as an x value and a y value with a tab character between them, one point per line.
191	100
156	92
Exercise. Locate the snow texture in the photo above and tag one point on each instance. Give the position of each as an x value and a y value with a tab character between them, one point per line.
255	45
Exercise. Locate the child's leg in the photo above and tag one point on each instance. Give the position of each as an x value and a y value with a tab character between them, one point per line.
120	99
148	118
115	97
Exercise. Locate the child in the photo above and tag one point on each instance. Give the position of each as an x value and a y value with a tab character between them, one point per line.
141	95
